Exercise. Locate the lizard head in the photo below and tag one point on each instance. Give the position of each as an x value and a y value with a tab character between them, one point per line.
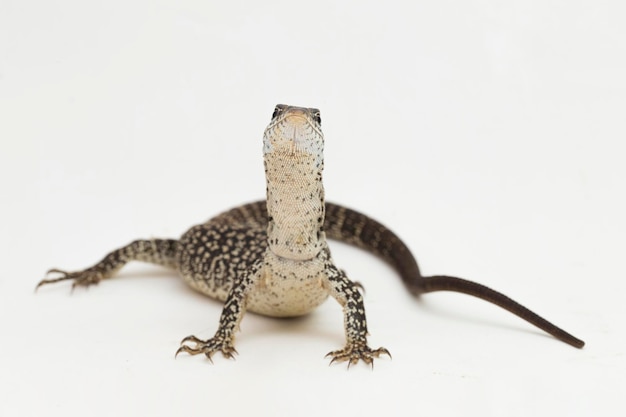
294	132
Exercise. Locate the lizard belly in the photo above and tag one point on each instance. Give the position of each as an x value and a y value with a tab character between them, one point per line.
288	288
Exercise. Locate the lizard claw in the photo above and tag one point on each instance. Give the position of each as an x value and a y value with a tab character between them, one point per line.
81	278
219	343
359	286
355	352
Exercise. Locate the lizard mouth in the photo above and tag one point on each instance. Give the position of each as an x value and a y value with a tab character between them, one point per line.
295	134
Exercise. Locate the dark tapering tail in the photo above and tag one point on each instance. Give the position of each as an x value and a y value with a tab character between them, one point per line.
447	283
353	227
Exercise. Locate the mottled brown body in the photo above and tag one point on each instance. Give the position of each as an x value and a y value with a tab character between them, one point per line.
211	254
229	244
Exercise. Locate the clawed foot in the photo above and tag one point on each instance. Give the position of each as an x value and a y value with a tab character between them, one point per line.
208	347
355	352
82	278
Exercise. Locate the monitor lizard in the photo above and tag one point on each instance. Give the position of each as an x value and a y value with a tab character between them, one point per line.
271	257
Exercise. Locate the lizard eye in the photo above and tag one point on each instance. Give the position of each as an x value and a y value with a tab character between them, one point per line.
278	110
317	117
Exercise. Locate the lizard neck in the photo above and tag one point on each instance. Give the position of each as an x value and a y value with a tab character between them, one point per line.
295	205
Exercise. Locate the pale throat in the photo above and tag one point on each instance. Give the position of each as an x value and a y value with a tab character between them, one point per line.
295	204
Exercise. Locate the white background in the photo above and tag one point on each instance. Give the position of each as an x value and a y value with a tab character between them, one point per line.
488	134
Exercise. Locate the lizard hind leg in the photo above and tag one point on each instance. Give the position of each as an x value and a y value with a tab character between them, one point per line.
156	251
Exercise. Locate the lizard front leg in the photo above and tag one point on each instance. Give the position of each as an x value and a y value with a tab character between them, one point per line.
232	313
348	295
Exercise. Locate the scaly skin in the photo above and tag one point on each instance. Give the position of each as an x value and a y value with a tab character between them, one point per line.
271	257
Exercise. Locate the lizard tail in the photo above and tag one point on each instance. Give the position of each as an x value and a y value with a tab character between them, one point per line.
360	230
447	283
